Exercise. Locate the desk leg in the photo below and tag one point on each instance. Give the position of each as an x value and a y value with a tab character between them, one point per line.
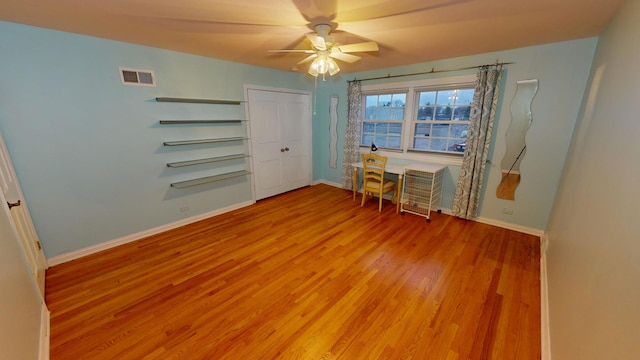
355	182
399	194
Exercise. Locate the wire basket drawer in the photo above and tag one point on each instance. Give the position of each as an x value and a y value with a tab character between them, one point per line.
422	190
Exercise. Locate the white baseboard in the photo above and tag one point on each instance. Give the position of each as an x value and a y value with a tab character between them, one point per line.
140	235
498	223
326	182
545	331
45	331
510	226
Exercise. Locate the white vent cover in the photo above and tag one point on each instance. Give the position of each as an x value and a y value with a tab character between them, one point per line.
137	77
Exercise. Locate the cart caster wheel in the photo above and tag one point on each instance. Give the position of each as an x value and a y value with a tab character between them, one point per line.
439	211
428	220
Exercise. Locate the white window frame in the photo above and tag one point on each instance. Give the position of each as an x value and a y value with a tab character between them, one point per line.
412	88
384	121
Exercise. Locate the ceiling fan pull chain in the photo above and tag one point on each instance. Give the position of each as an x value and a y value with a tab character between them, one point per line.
315	92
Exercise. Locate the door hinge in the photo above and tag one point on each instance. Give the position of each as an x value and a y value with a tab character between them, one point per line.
38	245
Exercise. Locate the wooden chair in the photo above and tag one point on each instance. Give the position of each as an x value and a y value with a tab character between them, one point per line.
374	181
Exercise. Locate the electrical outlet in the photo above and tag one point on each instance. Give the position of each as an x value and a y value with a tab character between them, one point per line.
184	209
507	211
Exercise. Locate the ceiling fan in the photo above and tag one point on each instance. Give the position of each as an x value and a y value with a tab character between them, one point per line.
325	50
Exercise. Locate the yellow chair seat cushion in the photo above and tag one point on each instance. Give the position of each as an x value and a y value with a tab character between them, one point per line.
374	186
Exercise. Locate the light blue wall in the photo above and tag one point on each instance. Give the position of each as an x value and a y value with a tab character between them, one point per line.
88	151
562	70
593	254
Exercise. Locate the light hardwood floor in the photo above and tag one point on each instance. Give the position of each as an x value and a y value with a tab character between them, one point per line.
304	275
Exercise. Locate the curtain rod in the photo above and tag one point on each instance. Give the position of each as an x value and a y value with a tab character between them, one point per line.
433	71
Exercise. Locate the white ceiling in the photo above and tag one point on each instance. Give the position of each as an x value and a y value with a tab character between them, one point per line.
407	31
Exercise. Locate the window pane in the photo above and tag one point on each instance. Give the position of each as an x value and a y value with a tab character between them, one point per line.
381	141
395	128
384	100
447	97
397	114
399	100
440	130
459	131
394	142
367	139
434	112
381	128
423	130
421	143
465	97
438	144
440	122
427	98
384	113
462	113
457	145
371	101
425	113
443	113
370	113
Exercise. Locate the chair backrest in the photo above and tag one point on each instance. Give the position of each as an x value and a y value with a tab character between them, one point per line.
373	165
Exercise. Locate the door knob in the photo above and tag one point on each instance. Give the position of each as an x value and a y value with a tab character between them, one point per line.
282	150
287	149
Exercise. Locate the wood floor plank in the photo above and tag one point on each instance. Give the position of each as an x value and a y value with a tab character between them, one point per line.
305	275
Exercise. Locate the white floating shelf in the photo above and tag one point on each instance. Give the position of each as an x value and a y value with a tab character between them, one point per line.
209	179
207	160
202	141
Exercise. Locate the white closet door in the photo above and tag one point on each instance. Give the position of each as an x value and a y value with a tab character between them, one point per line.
280	140
21	306
21	218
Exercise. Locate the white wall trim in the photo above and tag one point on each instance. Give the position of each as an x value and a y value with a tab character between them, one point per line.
510	226
326	182
498	223
544	244
45	331
141	235
545	330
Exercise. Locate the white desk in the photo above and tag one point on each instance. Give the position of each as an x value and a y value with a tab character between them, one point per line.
390	168
397	169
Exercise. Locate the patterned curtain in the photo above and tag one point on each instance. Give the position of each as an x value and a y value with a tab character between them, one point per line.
469	188
352	136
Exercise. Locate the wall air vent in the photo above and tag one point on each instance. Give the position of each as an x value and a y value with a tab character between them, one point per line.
137	77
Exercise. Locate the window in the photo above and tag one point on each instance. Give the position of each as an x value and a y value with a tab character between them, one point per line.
384	115
442	119
418	118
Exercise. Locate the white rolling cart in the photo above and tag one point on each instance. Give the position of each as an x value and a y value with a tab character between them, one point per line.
421	189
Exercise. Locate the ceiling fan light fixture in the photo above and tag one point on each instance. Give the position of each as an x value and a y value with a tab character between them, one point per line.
333	66
323	64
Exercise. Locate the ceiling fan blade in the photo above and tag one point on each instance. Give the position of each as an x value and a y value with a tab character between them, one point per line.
317	11
317	41
308	59
365	46
293	51
344	57
376	10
